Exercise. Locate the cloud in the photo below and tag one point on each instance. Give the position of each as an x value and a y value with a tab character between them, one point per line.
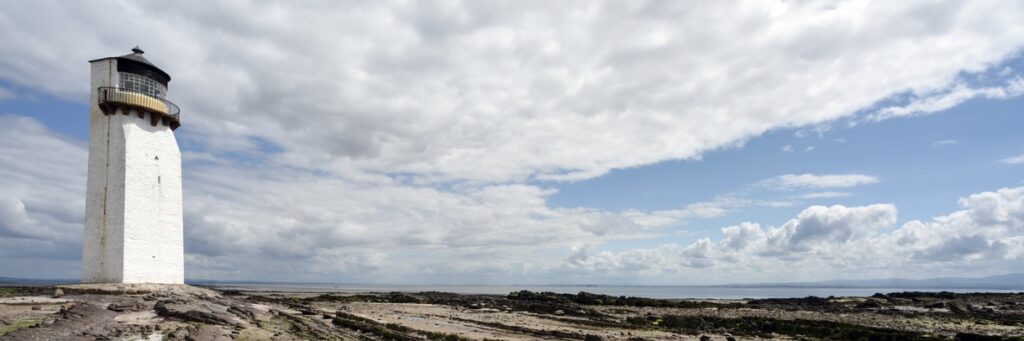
718	207
821	225
817	229
812	181
1004	207
669	258
489	92
43	181
1016	160
42	199
245	223
6	94
308	221
823	195
16	222
738	237
941	143
240	222
960	247
989	228
827	242
947	98
334	140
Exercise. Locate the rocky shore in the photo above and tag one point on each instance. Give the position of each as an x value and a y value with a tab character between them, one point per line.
169	312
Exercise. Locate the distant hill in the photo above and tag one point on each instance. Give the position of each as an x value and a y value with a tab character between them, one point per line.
1013	281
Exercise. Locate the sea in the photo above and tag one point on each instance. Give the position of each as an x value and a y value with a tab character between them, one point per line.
661	292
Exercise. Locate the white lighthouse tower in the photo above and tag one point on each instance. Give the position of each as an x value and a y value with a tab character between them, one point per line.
133	219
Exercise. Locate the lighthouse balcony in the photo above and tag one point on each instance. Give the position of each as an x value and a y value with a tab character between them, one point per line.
160	109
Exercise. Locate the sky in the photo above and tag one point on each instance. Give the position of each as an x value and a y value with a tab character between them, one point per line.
570	142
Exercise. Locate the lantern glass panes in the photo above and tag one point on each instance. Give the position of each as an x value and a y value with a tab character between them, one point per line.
142	84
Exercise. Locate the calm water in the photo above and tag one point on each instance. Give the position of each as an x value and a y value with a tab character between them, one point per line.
638	291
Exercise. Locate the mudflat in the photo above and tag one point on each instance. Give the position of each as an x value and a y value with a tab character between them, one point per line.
180	312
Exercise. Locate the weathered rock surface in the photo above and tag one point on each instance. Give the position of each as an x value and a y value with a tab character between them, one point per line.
196	311
186	313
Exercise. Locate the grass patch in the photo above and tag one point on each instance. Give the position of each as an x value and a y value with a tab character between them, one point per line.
23	324
445	337
17	291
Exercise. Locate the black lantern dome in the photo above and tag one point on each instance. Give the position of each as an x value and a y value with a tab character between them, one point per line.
137	64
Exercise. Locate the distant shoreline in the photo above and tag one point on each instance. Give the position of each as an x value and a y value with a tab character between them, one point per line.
653	292
1006	283
645	291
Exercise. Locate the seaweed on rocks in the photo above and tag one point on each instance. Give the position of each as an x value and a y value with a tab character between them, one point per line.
978	337
126	305
391	297
1001	308
766	327
232	292
547	307
586	298
804	303
581	309
809	301
307	328
15	291
389	331
445	337
525	330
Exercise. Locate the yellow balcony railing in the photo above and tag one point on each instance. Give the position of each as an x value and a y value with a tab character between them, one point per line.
113	95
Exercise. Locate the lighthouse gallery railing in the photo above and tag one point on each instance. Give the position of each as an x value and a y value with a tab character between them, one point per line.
139	99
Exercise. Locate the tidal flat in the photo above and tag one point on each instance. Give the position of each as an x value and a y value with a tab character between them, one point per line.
167	312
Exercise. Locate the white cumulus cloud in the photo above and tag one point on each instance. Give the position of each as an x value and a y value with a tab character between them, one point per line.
947	98
836	241
497	92
814	181
1016	160
42	199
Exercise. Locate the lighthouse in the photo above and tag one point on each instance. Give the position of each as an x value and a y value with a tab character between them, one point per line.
133	219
